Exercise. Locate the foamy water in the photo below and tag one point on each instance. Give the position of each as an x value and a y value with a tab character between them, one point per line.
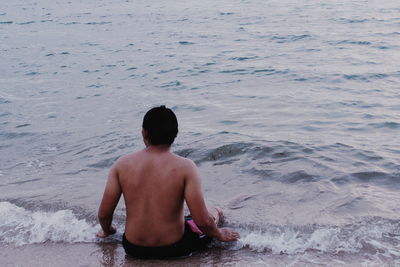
290	109
20	226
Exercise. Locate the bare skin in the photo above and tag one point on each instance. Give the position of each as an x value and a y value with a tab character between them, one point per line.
155	183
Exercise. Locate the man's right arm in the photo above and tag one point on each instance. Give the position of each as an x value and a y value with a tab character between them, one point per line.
197	207
111	196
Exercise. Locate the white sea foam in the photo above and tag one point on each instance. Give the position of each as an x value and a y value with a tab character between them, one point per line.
290	241
374	236
35	164
20	226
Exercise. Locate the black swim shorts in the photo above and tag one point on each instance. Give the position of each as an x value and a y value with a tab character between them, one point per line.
191	241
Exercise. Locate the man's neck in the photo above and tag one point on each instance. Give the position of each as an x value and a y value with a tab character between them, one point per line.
158	148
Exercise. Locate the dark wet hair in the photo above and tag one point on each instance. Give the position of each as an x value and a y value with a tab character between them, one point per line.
161	125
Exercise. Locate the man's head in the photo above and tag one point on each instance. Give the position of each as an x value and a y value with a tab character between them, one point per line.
160	125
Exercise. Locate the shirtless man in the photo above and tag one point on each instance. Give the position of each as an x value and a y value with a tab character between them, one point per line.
155	183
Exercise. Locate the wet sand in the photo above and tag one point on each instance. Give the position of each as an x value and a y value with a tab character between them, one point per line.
112	254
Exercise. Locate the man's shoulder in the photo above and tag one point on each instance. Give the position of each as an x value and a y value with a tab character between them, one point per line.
183	160
128	158
185	164
174	159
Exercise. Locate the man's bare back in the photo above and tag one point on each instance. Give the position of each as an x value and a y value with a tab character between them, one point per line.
155	183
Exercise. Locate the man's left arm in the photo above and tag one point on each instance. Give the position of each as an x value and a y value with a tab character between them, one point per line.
111	196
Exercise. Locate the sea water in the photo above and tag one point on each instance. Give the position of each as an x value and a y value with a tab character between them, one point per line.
289	108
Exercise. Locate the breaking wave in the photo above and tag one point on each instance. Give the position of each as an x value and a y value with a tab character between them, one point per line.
372	236
20	226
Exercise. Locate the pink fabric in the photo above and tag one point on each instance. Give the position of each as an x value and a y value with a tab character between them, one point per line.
194	227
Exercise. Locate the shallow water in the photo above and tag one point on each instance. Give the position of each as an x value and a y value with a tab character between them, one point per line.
290	109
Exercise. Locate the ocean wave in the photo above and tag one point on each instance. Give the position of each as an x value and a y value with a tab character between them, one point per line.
20	226
14	135
289	38
4	101
368	236
296	163
388	124
276	152
225	151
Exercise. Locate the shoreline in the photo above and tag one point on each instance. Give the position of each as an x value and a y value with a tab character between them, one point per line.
112	254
